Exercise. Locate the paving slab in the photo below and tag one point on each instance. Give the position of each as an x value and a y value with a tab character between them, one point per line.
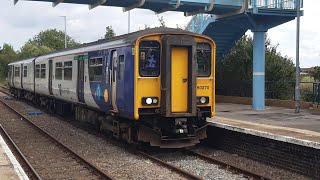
275	123
10	168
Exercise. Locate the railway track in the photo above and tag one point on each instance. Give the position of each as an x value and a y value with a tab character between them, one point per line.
234	168
47	157
173	168
187	174
170	166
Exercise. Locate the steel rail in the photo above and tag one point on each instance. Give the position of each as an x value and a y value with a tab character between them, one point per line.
83	160
26	162
170	166
228	166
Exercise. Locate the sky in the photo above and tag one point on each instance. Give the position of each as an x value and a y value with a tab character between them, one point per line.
26	19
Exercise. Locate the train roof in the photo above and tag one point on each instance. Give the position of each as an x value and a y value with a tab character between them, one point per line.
22	61
117	40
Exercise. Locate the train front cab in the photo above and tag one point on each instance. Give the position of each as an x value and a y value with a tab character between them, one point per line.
174	88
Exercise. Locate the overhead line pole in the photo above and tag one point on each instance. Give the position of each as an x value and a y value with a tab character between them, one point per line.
297	88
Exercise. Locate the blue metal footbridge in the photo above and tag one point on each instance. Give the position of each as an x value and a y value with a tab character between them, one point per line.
225	21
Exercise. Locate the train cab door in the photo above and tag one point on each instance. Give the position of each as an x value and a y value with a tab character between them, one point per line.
50	77
114	80
80	86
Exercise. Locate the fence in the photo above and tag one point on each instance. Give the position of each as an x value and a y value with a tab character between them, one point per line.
285	90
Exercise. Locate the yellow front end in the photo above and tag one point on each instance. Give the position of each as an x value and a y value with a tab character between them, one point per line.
151	86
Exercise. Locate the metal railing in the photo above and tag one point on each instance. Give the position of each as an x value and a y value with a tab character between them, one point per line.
274	4
285	90
199	20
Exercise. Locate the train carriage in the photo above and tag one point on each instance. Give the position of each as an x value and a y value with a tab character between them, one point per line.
155	86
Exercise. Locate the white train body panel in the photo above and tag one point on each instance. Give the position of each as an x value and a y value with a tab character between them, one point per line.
62	87
41	76
28	75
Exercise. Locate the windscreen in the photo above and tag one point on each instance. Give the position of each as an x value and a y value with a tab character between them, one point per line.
149	58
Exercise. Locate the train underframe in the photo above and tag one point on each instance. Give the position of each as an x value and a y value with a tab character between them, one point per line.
151	128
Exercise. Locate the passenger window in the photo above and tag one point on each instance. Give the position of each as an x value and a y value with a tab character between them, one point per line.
121	67
58	72
37	74
43	71
149	58
204	59
17	71
68	70
95	69
25	71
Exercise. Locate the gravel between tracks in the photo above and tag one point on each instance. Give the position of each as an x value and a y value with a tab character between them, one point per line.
48	159
254	166
197	166
113	159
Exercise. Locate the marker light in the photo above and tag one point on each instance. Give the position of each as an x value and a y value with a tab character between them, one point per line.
155	101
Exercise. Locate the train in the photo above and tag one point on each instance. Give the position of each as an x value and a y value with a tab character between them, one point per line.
155	86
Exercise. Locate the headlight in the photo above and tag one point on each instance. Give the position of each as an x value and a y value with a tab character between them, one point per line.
150	101
202	100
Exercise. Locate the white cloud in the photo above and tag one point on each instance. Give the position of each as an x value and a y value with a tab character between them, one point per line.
26	19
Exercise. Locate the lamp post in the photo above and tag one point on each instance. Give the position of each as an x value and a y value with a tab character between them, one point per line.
128	21
65	31
297	88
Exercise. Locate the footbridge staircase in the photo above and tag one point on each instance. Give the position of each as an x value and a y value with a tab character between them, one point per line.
255	15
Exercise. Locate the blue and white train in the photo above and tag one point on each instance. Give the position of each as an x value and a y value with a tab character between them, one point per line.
155	86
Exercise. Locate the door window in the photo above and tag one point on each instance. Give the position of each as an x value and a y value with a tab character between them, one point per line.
95	69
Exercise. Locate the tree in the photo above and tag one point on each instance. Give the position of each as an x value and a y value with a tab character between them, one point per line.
234	72
316	73
53	39
45	42
109	32
32	50
7	55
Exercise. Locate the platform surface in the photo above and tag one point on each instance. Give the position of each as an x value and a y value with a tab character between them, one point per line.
275	122
10	169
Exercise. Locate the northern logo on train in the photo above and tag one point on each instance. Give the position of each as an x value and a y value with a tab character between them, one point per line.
98	92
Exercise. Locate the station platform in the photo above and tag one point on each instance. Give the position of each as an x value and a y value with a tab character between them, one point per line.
10	168
276	123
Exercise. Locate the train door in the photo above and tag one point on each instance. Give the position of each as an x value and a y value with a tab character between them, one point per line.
80	88
179	86
21	76
114	80
50	77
